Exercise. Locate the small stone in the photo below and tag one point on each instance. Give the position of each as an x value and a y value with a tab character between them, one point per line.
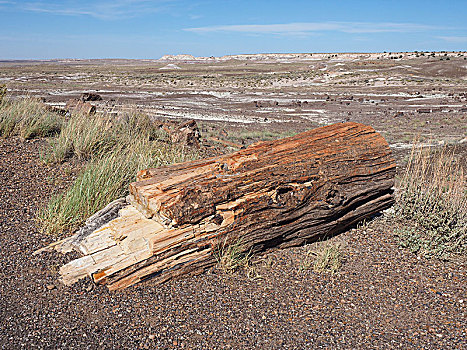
151	336
89	288
51	286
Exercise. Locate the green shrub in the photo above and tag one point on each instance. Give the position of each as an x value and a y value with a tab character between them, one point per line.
432	202
28	118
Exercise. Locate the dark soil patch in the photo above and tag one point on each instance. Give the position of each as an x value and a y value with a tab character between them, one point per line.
383	297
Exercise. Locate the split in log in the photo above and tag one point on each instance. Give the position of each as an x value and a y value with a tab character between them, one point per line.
272	194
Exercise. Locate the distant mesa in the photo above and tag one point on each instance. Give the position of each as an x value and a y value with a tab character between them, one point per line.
293	57
178	58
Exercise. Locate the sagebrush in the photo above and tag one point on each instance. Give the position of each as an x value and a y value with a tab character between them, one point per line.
432	202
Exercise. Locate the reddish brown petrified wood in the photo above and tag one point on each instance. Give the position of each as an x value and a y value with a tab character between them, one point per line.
272	194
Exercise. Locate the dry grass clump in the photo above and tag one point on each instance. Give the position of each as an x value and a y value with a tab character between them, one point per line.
82	136
86	136
432	201
326	258
232	257
27	118
114	148
3	91
105	179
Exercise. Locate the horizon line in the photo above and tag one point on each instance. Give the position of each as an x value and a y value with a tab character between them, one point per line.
227	55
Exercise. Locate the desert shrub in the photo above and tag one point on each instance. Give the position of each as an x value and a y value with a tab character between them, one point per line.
28	118
105	179
432	203
327	257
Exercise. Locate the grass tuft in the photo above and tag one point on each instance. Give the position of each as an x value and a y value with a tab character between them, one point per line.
432	202
103	180
3	91
326	258
115	149
27	118
82	136
96	135
232	257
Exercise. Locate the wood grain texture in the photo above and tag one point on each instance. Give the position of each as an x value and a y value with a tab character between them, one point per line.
272	194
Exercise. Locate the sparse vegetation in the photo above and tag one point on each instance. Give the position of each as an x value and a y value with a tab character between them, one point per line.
115	149
82	136
94	136
233	256
326	257
27	118
264	135
3	91
432	202
106	178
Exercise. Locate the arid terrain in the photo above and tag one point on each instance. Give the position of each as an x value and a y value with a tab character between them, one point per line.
383	296
402	95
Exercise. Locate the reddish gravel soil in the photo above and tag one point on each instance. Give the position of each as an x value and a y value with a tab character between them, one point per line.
383	297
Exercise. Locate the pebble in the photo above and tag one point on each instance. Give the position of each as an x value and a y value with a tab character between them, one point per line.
50	286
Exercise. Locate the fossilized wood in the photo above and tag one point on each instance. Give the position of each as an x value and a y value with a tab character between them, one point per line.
78	106
272	194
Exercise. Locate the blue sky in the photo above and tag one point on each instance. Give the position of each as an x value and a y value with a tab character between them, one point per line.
41	29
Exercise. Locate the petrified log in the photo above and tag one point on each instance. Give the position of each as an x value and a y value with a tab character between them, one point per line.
186	133
272	194
77	106
90	96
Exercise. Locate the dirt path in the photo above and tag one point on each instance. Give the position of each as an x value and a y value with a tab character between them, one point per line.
383	297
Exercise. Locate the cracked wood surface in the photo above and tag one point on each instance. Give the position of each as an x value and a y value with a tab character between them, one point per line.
272	194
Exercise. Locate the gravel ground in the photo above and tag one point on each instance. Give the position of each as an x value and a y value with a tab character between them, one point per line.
383	296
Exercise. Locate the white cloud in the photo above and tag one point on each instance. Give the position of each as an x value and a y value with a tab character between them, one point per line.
311	27
102	9
454	39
